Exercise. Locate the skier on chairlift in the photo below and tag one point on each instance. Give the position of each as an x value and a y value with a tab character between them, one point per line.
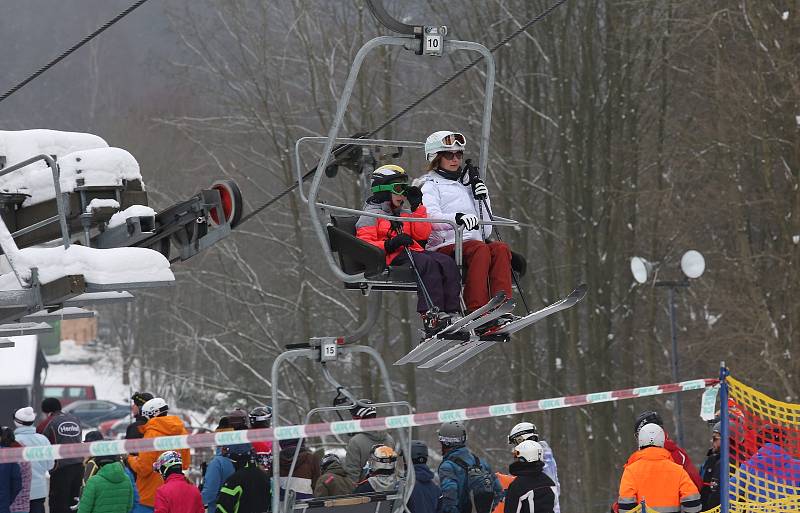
456	192
440	284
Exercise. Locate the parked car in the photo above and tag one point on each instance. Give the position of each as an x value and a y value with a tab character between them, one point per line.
92	413
115	428
70	393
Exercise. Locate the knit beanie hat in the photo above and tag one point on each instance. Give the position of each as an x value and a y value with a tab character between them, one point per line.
24	416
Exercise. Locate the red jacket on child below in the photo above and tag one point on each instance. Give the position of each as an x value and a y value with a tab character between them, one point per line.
177	495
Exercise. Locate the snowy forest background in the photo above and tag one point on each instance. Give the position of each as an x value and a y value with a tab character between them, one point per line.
621	128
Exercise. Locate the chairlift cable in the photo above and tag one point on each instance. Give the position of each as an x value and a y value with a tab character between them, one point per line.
67	52
419	100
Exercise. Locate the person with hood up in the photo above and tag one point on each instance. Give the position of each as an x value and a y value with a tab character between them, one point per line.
381	476
21	503
652	475
66	477
109	490
360	445
247	490
158	424
400	241
531	491
426	496
332	480
306	471
27	436
133	430
177	494
455	470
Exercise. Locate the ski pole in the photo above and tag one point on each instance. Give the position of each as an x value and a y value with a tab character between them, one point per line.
422	286
513	272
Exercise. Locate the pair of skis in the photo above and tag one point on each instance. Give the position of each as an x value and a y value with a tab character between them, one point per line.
439	350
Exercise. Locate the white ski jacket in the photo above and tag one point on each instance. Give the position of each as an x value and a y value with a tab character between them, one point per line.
443	199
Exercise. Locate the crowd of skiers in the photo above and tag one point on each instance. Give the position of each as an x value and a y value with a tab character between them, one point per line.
449	190
238	478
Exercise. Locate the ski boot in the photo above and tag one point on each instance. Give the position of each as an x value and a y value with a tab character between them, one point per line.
497	323
434	321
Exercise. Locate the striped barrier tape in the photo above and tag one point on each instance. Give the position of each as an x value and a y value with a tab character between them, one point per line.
165	443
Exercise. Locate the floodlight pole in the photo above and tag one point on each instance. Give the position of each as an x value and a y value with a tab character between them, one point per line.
678	413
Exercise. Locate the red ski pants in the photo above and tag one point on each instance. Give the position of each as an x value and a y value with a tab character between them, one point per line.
488	271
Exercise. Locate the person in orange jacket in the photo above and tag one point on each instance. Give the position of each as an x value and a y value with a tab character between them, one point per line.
652	476
505	481
158	424
678	453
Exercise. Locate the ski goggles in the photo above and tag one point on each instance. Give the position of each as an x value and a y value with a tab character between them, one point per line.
454	138
394	188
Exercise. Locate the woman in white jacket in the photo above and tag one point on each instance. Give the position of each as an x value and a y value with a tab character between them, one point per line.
449	193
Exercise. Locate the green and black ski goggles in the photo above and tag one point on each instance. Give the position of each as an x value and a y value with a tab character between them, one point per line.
394	188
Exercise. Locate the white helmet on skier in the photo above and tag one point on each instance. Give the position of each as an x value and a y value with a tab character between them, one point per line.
651	435
154	407
529	451
523	431
443	140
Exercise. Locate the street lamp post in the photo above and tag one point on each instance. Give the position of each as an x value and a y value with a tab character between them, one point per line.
693	265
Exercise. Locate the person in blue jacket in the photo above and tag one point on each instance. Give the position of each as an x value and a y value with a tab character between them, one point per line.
458	491
426	496
219	469
10	484
771	473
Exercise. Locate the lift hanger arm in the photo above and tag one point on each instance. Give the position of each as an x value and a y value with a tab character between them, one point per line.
395	25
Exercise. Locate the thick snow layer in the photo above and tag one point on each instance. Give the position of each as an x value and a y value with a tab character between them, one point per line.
91	167
17	363
19	145
101	203
132	211
100	266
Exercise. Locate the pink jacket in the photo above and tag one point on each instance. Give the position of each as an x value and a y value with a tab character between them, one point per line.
178	495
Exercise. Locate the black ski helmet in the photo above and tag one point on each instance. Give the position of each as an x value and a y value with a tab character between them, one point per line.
647	417
453	434
327	460
419	451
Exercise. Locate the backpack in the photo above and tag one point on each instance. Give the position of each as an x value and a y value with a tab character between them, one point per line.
480	484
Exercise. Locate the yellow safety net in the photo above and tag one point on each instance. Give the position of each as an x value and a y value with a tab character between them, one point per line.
764	442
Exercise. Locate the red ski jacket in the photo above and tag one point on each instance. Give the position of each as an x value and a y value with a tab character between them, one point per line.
377	231
177	495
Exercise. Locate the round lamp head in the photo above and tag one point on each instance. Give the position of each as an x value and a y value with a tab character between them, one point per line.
693	264
641	269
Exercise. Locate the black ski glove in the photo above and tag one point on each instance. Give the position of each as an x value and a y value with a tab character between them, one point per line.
397	242
479	190
468	221
414	197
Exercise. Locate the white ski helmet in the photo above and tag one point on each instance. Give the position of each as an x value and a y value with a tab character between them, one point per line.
154	407
382	459
523	431
529	451
443	140
651	435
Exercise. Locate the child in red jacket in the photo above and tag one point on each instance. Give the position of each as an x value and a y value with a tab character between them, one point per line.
399	240
177	494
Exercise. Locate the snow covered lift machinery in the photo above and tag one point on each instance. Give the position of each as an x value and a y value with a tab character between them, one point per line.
75	228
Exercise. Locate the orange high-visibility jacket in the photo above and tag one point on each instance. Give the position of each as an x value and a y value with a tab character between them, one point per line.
650	474
505	481
142	465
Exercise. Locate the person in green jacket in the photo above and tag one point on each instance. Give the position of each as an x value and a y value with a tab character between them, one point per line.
108	491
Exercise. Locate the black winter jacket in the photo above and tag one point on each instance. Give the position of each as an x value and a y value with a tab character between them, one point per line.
532	491
246	491
709	494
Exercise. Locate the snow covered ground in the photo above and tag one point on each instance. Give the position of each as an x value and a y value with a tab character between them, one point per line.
83	365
